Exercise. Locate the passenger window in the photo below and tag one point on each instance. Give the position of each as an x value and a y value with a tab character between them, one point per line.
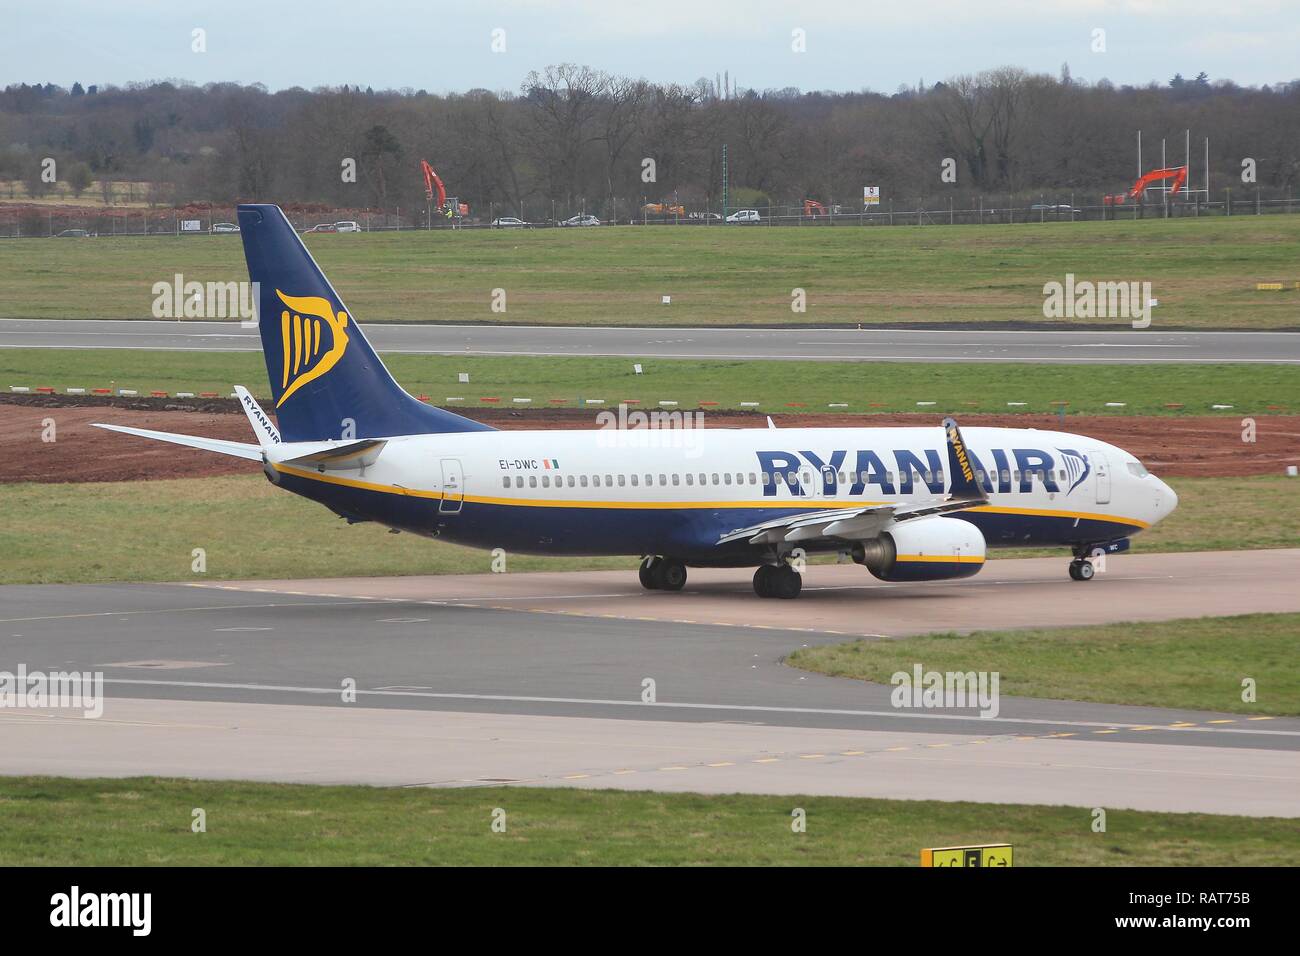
1006	475
704	479
609	481
663	479
767	478
532	481
634	481
753	478
582	479
715	477
570	481
726	476
622	481
690	478
519	481
546	481
779	477
675	479
505	482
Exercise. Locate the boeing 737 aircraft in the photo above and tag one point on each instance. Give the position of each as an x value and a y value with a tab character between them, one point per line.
910	504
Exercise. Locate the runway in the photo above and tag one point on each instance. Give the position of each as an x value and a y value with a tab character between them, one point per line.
1107	345
541	679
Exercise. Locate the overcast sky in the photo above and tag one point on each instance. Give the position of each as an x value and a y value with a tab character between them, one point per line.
850	44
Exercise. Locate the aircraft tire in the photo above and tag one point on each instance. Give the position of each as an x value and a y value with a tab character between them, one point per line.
670	574
786	583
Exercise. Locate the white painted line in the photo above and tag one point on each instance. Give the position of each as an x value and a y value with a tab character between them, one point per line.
757	708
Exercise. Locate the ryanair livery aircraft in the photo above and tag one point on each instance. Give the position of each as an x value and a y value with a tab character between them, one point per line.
911	504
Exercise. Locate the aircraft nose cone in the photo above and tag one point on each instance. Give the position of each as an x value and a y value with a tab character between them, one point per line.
1166	501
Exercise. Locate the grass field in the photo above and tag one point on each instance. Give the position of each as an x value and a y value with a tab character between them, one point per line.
863	387
1203	272
146	531
1198	663
146	821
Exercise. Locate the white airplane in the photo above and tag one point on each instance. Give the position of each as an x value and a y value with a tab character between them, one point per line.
910	504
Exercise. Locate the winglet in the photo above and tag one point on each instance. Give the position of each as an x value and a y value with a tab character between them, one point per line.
267	434
964	483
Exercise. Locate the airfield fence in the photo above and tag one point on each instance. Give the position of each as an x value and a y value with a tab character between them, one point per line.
1042	208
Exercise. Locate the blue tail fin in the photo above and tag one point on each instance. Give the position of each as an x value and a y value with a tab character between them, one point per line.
324	374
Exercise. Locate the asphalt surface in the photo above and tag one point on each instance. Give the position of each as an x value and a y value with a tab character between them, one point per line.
1116	345
541	680
294	643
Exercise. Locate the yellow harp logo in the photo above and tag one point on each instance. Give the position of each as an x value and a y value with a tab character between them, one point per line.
300	336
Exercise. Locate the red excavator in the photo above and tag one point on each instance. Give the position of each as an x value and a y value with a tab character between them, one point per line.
1177	173
431	183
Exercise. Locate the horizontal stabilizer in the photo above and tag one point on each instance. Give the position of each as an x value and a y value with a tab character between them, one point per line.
335	456
235	449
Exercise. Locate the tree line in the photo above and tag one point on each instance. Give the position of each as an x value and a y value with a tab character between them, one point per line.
573	139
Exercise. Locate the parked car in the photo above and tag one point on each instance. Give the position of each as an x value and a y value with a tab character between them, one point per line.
705	216
587	220
324	227
224	227
744	215
347	225
508	222
73	233
1062	208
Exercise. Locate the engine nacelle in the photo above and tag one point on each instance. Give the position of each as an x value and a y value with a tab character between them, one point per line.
927	549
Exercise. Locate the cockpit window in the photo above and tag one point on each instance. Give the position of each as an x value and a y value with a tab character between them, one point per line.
1138	469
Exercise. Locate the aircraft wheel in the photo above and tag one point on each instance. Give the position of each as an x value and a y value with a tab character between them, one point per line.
763	580
670	574
647	573
1081	570
786	583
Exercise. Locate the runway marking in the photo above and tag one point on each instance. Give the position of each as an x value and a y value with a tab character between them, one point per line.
721	763
179	610
768	760
682	705
1220	721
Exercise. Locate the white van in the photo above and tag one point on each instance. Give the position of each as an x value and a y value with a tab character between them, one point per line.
347	226
744	215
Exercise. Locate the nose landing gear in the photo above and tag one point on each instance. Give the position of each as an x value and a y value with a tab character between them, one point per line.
1081	569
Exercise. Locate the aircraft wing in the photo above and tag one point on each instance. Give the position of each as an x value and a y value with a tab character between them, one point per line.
856	524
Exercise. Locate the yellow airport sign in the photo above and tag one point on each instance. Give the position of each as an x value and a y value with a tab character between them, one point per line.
991	854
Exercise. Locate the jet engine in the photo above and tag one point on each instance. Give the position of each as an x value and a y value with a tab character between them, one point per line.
926	549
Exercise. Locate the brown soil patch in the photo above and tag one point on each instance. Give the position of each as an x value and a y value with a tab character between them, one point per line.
1191	446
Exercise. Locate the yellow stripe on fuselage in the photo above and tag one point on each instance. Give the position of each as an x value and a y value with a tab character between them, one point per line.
785	505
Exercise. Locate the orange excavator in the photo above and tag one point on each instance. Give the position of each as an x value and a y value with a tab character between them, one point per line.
1177	173
812	208
431	183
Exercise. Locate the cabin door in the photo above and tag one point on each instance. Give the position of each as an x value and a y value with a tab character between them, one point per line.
453	487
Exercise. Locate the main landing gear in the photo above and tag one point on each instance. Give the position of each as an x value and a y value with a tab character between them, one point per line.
662	574
777	581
